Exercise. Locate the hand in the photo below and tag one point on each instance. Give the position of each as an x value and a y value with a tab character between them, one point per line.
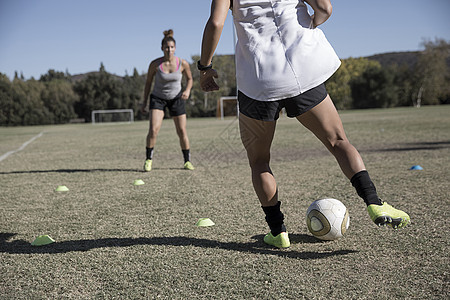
185	95
144	108
207	82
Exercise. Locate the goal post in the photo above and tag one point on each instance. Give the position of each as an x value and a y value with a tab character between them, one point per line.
227	106
112	115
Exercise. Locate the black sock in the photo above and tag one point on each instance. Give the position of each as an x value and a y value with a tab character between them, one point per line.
149	153
186	155
365	188
274	218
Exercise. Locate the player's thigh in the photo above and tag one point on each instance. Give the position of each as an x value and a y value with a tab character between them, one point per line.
323	120
180	122
156	118
256	136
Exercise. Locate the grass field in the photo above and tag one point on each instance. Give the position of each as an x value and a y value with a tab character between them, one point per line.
115	240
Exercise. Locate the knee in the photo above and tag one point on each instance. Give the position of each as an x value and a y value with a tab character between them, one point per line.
260	161
181	132
338	143
153	132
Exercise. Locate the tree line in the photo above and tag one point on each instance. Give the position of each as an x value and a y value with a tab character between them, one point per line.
57	97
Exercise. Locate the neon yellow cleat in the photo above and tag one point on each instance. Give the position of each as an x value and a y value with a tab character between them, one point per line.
188	165
148	165
387	215
280	241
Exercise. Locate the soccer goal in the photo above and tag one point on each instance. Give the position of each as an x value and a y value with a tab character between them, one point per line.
227	106
112	115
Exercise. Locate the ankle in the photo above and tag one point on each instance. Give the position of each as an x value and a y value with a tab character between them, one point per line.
275	218
365	188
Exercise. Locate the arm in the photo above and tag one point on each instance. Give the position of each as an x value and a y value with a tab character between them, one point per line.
322	11
211	36
187	72
148	84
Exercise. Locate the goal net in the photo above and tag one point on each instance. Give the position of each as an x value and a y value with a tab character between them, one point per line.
227	106
112	115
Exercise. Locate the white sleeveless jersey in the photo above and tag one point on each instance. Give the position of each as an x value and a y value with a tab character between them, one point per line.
278	55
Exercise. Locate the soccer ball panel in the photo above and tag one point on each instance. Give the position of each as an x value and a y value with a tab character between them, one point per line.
318	223
345	223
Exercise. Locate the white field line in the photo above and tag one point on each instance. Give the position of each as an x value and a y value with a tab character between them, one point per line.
21	147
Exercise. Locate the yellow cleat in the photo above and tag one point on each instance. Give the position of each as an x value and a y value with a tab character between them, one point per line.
387	215
148	165
188	166
279	241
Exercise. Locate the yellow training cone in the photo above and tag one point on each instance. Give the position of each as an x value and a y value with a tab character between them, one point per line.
42	240
138	182
62	188
204	222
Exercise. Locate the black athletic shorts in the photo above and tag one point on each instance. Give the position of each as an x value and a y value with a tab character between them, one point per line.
270	110
175	106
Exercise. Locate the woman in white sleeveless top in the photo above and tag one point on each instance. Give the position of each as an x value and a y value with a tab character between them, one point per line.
282	61
167	93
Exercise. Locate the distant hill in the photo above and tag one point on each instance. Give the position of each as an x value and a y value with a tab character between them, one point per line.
83	76
408	58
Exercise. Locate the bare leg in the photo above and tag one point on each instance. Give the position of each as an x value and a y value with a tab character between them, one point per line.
324	121
180	125
257	138
156	118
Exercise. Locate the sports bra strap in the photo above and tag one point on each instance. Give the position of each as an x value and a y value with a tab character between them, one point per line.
160	64
178	63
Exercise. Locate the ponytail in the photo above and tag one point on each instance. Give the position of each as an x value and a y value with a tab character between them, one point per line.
168	37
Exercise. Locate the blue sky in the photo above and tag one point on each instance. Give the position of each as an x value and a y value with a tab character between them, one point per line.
77	35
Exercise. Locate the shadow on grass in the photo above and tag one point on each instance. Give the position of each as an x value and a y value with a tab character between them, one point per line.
419	146
303	239
71	171
257	247
84	171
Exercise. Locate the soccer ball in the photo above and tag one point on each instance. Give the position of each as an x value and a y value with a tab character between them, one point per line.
327	219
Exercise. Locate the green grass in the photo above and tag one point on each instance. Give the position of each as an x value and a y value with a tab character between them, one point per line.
115	240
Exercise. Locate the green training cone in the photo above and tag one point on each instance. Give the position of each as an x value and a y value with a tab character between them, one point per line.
42	240
138	182
62	188
204	222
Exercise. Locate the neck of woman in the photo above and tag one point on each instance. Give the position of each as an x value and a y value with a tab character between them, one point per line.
169	58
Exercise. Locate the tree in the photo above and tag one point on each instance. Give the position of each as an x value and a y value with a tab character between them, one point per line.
432	83
404	81
338	86
98	91
204	104
28	106
54	75
374	88
59	98
8	108
132	93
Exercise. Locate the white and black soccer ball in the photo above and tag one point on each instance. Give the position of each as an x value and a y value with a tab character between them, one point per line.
327	219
